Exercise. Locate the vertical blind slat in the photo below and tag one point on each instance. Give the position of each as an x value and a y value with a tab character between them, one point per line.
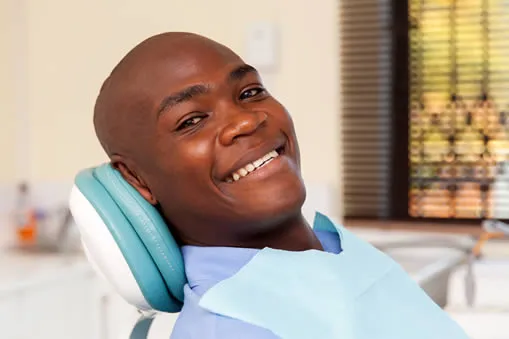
366	82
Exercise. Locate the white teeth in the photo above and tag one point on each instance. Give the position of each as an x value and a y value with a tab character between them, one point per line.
258	162
242	172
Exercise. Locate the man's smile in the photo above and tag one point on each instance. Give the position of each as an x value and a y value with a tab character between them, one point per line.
254	160
254	166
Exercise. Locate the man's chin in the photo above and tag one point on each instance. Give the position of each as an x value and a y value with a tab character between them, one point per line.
271	204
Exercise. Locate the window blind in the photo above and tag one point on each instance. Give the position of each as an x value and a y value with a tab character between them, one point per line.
366	89
459	131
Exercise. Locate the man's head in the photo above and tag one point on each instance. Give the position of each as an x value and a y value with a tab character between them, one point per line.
184	119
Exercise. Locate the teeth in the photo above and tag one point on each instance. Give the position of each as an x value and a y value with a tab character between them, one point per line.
258	162
242	172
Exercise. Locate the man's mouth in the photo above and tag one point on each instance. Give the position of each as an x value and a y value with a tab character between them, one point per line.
255	165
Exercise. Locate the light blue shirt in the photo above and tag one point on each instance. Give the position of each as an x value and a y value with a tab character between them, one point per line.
207	266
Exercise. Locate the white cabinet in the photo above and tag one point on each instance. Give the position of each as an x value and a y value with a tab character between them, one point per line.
10	309
53	298
55	307
43	297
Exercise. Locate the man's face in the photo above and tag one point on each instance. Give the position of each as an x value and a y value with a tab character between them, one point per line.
224	157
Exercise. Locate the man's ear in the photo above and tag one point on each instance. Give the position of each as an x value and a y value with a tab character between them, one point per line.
134	180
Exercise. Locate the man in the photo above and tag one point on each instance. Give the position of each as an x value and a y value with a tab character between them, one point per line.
192	128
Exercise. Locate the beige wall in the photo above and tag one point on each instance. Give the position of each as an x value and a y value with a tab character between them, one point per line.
8	121
72	45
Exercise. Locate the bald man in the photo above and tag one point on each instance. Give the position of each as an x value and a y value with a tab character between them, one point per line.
192	128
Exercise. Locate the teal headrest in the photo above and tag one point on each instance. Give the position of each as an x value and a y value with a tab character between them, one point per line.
127	240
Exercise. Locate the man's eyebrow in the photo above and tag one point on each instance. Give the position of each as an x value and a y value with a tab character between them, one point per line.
240	72
195	90
182	96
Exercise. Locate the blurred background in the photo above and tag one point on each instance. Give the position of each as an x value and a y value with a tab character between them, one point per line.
401	109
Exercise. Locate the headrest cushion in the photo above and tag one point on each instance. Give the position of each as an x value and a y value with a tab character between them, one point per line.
139	233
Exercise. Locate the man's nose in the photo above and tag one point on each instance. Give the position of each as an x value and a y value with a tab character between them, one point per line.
241	123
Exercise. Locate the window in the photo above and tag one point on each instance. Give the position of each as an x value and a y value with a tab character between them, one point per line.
425	86
459	106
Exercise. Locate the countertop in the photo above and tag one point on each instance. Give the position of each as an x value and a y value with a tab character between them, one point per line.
420	254
20	268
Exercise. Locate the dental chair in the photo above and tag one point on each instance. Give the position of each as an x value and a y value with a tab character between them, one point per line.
128	243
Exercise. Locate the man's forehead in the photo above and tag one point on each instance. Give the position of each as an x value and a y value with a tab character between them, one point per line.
175	55
168	63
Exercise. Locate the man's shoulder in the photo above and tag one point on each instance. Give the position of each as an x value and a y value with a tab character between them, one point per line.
195	322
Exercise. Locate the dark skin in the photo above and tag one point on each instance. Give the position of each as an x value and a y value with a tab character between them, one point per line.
178	116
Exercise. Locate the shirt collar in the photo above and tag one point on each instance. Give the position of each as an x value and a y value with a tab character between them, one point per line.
206	266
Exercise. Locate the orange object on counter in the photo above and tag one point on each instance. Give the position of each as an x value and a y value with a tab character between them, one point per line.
25	217
27	231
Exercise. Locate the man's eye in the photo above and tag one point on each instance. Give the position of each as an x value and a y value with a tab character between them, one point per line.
252	92
189	122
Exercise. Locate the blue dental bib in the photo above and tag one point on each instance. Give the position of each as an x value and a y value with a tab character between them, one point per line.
360	293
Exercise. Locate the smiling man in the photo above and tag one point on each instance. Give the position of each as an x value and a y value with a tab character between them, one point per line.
191	127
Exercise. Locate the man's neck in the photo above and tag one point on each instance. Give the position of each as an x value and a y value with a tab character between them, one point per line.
293	235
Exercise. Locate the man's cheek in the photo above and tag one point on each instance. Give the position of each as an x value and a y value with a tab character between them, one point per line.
198	152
